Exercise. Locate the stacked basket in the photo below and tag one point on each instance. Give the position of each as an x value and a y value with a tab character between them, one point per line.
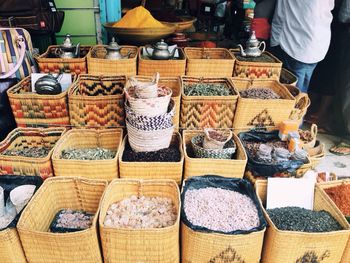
149	112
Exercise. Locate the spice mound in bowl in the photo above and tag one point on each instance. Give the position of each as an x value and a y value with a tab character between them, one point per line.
207	89
259	93
88	154
220	210
33	152
303	220
68	220
141	212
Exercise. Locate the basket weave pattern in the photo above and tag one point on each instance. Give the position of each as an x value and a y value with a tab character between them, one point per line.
11	250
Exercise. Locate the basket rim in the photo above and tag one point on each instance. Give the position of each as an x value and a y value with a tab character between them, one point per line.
140	182
276	64
224	50
134	58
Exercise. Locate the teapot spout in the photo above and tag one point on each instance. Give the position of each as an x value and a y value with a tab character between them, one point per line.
243	54
77	51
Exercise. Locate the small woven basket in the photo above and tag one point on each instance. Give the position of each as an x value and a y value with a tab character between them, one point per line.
213	143
311	144
317	154
288	77
301	105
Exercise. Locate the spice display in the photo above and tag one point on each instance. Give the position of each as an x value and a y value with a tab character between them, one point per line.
306	136
171	154
33	152
341	197
262	58
68	220
303	220
139	17
259	93
220	210
141	212
88	154
207	89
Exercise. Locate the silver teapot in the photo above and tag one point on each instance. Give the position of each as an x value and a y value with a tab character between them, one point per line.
113	51
252	47
160	51
67	49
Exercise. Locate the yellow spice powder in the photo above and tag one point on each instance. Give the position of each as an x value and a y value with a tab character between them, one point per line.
139	17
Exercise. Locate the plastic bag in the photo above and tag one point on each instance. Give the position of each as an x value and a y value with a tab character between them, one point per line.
234	184
264	168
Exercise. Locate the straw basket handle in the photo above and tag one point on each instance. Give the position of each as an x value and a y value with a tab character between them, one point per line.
314	130
302	101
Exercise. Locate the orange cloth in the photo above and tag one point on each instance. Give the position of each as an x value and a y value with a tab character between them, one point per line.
261	27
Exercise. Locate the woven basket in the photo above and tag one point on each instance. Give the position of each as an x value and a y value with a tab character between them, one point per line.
11	250
291	246
202	166
317	154
199	112
39	244
301	105
252	113
149	141
209	62
33	110
98	65
97	101
88	138
166	68
48	63
22	138
153	170
257	70
311	144
326	185
288	77
140	245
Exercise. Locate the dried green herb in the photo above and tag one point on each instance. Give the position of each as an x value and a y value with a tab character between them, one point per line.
207	89
33	152
303	220
263	58
88	154
259	93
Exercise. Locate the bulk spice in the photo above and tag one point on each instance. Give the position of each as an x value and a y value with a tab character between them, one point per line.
88	154
68	219
220	210
341	197
33	152
141	212
259	93
303	220
207	89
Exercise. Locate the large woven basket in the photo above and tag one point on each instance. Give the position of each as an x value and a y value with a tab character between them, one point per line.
209	62
326	185
34	110
39	244
207	111
201	166
153	170
166	68
257	70
252	113
140	245
88	138
97	101
11	250
291	246
48	63
98	65
22	138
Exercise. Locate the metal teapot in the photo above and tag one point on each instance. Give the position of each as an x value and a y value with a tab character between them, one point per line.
113	51
160	51
48	85
67	49
252	47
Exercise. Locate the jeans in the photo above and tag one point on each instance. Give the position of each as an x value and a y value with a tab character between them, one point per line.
302	70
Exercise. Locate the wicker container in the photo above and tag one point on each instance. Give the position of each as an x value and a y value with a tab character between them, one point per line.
252	113
22	138
166	68
207	111
41	246
97	101
153	170
291	246
88	138
98	65
317	154
223	167
11	250
288	77
175	84
311	144
302	103
34	110
257	70
48	63
140	245
326	185
209	62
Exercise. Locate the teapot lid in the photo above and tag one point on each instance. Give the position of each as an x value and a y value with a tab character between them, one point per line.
161	45
67	43
113	45
252	38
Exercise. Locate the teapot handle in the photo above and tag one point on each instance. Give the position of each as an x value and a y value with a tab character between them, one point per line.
264	44
58	52
128	54
148	46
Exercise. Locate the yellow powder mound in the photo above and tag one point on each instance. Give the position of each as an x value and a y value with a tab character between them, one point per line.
139	17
